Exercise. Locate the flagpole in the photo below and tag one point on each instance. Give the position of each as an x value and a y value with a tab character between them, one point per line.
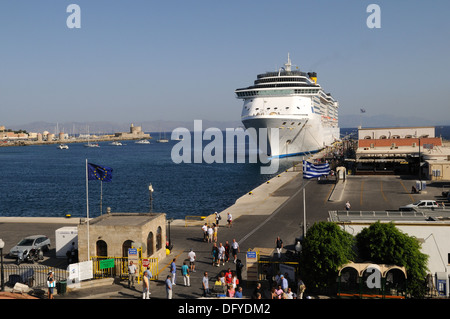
87	209
304	199
101	197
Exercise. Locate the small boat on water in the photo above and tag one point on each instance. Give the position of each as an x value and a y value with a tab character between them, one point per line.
63	147
162	139
116	143
142	142
91	145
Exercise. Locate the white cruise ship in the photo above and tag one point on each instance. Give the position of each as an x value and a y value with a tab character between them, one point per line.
293	102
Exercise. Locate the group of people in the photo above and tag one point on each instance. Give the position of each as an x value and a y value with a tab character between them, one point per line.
146	277
226	283
280	289
185	273
210	231
221	253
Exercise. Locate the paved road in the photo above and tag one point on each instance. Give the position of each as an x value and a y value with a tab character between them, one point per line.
250	230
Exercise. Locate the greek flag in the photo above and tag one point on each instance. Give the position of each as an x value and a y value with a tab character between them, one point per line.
315	170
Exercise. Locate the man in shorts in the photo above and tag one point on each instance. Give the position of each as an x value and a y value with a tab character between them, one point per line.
192	257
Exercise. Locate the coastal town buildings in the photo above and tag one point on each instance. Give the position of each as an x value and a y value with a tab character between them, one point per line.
9	137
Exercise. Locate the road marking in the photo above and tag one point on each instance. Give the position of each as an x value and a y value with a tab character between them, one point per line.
167	265
361	195
410	196
273	214
329	194
382	193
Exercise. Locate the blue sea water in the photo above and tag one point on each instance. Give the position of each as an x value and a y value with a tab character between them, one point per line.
44	181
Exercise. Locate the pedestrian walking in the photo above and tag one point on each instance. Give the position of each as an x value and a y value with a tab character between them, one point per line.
279	246
145	286
235	280
215	255
132	271
218	218
51	283
347	206
205	232
215	231
173	270
228	277
149	276
168	287
205	284
210	234
284	283
234	249
257	290
239	267
185	274
192	258
300	288
227	251
229	220
221	254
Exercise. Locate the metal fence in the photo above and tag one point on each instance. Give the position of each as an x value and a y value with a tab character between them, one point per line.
35	276
120	268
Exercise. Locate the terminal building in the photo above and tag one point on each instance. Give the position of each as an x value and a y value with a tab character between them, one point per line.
402	150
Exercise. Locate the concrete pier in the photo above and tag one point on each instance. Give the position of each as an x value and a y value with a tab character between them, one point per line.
270	210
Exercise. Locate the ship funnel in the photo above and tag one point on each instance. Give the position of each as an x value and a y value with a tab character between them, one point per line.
313	76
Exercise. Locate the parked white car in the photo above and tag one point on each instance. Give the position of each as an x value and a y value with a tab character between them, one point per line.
30	242
421	204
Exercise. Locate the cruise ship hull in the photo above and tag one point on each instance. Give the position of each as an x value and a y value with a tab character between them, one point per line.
292	111
297	136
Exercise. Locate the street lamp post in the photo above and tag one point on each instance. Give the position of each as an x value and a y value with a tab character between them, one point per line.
170	241
150	190
2	244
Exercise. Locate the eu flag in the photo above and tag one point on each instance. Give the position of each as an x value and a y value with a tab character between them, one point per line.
98	172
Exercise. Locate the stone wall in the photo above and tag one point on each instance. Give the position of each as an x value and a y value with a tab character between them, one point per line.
119	229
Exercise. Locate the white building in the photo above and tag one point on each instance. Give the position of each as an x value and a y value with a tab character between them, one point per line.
431	229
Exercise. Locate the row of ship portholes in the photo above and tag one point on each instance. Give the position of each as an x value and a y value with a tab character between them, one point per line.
154	243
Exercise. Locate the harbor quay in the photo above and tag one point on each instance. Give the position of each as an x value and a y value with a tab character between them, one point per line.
273	209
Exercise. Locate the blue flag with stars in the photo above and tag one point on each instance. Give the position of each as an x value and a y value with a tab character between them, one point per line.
98	172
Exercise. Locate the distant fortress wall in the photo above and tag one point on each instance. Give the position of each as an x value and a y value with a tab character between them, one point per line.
135	132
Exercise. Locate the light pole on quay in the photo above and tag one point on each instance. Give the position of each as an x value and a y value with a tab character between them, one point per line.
150	190
2	244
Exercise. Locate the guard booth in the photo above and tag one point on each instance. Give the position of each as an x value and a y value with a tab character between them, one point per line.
442	283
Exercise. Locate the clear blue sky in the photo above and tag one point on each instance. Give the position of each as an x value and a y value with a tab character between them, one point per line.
140	60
